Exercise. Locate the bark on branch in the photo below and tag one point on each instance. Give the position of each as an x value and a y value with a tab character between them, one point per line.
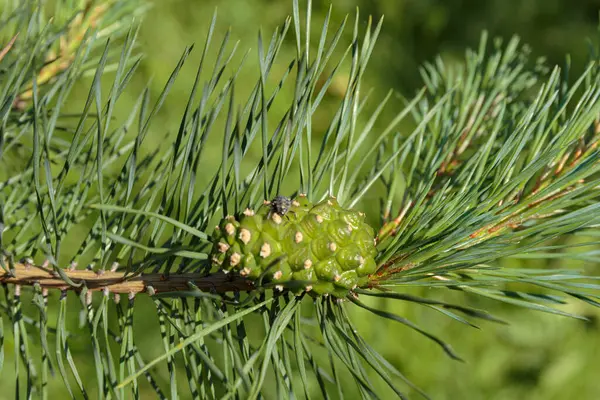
115	282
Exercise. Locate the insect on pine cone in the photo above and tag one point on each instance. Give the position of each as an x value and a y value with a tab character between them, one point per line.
319	248
281	205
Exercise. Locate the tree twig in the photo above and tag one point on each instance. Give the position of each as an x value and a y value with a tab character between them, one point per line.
219	282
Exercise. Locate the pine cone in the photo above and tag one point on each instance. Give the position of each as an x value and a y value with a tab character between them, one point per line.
321	248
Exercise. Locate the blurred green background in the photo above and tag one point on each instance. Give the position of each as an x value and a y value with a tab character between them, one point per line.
538	356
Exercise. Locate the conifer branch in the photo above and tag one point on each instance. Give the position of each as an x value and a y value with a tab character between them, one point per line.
25	274
501	160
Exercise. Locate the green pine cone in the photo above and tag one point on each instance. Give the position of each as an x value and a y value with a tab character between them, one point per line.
320	248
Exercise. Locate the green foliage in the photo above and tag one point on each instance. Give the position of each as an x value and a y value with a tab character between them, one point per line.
494	158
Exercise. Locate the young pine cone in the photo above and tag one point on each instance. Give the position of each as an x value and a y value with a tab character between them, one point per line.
295	245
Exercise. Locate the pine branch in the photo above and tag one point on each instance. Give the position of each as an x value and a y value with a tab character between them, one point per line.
25	274
501	159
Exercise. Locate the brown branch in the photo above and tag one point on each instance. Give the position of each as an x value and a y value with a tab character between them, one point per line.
115	282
